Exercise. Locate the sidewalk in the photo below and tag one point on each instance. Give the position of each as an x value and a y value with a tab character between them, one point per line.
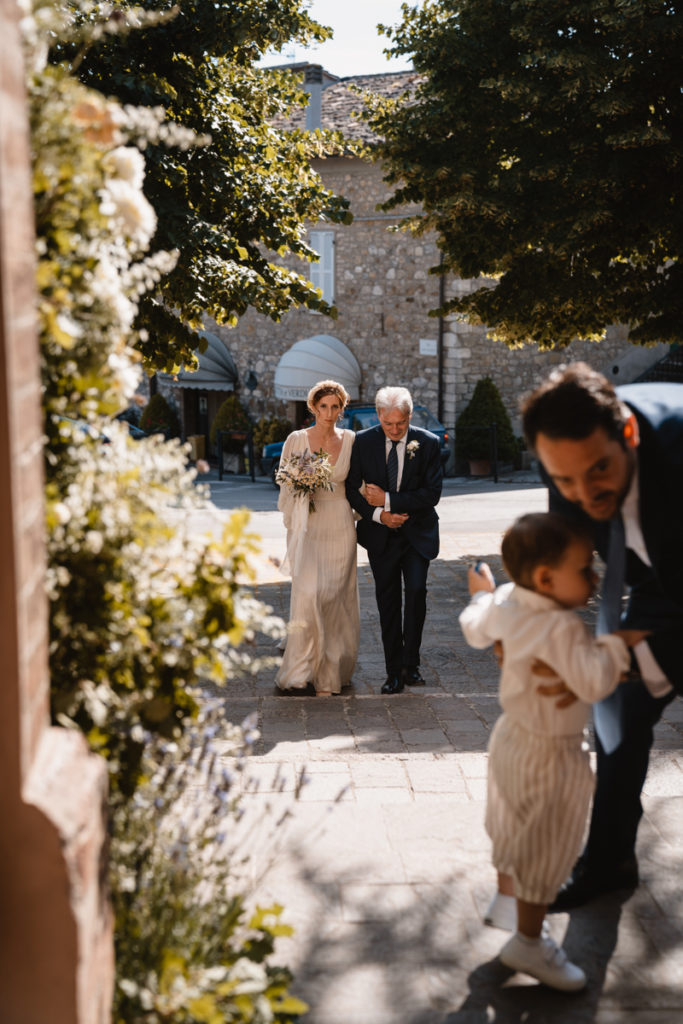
383	865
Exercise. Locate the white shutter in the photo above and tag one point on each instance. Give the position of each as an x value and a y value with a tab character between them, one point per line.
322	272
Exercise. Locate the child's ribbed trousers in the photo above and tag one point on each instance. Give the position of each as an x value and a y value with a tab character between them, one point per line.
539	793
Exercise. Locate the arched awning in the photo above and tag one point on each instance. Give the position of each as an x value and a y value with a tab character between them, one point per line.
321	357
216	372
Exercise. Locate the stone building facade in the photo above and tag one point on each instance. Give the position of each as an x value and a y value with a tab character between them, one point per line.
383	289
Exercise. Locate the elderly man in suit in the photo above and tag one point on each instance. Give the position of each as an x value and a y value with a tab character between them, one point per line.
614	459
394	483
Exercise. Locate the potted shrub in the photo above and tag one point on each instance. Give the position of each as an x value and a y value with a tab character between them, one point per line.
231	416
473	429
159	417
268	431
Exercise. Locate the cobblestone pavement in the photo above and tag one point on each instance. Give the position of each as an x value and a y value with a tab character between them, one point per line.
383	865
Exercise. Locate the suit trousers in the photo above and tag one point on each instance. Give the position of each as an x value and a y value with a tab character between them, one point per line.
397	568
617	809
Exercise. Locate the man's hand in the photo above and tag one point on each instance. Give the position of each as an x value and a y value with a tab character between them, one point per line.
374	495
557	688
631	637
498	652
393	519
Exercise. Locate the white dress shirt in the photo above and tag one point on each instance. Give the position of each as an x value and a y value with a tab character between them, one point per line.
401	453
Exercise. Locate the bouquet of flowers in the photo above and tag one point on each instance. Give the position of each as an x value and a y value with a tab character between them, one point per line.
306	473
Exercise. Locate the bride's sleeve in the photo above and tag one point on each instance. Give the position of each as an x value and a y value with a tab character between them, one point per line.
285	499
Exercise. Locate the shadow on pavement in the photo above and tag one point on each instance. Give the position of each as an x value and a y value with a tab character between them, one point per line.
431	961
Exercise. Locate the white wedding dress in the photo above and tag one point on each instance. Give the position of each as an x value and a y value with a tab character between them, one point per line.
324	620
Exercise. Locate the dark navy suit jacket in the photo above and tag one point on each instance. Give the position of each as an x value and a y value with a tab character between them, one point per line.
419	492
656	594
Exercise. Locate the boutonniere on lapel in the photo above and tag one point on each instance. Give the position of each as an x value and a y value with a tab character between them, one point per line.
411	448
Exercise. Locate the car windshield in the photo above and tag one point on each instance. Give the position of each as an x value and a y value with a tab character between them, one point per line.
360	419
424	418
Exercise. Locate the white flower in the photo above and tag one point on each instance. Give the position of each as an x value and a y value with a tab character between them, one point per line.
122	202
94	541
128	163
68	325
411	448
62	512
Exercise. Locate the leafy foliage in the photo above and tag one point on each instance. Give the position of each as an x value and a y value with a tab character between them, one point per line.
141	609
142	612
234	205
139	613
472	430
159	417
545	145
267	431
230	416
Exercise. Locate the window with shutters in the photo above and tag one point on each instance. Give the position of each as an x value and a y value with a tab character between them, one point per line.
322	272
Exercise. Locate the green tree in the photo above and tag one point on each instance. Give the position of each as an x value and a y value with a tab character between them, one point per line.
236	203
545	142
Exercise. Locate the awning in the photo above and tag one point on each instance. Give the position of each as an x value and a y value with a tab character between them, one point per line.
217	371
321	357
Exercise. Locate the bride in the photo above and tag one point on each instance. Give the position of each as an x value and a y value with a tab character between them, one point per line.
324	626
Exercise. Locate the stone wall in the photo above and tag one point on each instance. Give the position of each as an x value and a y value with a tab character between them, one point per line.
384	293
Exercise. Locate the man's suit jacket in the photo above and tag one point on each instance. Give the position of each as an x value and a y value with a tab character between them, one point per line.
656	596
420	489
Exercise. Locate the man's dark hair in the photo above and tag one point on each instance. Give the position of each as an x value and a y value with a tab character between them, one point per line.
538	538
571	403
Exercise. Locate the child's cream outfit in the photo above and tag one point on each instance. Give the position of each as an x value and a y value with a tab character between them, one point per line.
539	780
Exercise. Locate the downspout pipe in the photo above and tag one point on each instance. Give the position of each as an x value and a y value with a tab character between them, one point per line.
442	299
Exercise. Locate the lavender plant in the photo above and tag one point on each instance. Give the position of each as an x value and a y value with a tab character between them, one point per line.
188	949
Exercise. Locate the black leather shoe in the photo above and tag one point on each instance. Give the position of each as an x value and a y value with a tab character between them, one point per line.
412	677
586	884
394	684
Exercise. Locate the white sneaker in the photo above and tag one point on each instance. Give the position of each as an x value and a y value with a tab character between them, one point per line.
543	959
502	913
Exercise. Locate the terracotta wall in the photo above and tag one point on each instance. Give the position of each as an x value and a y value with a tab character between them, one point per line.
56	964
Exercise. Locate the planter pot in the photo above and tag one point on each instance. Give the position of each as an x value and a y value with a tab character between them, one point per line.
232	462
197	444
480	467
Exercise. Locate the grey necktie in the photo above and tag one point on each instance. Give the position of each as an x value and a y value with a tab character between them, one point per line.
392	467
607	714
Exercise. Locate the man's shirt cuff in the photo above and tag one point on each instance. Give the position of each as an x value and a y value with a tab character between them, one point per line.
652	675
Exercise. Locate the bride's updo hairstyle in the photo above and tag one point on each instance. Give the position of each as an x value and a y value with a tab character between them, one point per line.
324	388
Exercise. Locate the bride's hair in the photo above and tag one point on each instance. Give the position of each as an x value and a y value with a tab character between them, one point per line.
327	387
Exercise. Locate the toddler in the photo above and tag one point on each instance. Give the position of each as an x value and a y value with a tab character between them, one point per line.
540	781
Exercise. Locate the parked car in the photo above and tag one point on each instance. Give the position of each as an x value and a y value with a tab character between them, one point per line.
134	431
358	417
